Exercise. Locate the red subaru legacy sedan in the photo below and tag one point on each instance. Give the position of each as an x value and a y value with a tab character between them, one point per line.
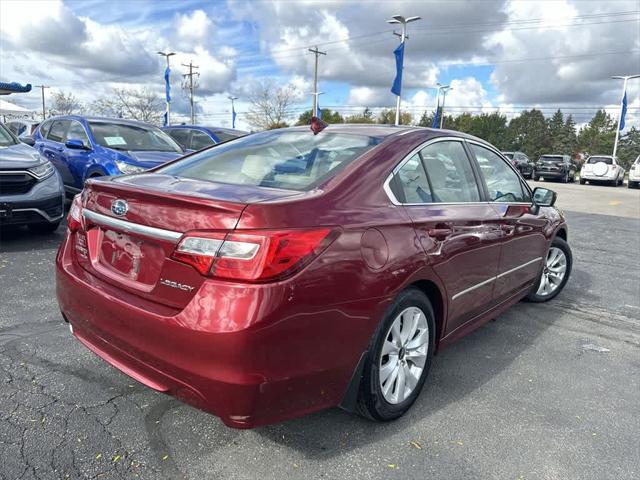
285	272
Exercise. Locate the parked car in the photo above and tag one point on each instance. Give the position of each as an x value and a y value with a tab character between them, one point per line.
634	174
88	147
522	163
286	272
22	128
195	137
602	168
557	167
31	191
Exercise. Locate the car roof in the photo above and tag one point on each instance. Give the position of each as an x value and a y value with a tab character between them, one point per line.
121	121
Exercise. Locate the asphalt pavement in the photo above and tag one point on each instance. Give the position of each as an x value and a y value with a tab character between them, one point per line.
547	391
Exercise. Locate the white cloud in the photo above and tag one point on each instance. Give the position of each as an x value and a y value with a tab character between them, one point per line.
194	28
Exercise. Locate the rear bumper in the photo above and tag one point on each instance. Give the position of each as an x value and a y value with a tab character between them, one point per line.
250	363
551	174
603	178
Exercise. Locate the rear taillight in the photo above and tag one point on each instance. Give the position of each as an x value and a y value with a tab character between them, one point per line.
258	255
74	219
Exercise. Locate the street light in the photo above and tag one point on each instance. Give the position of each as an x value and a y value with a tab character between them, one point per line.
624	90
233	111
399	19
444	89
167	97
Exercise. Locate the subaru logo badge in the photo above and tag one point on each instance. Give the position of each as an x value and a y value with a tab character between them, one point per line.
119	207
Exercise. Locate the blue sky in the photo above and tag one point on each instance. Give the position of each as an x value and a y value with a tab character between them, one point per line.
497	54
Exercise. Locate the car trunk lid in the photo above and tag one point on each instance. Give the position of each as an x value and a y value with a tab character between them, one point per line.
133	224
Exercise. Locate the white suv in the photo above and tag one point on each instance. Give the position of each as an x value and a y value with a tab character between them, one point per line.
602	168
634	174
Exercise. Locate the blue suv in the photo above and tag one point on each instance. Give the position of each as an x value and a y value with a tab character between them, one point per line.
85	147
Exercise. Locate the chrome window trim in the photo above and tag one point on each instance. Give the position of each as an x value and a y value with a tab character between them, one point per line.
500	275
130	227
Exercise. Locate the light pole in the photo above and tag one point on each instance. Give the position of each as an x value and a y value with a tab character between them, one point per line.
444	89
167	85
624	91
233	111
315	93
403	36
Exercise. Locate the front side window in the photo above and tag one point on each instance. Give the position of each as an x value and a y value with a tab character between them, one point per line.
76	132
58	131
503	183
278	159
6	139
450	173
181	136
121	136
410	183
200	140
44	128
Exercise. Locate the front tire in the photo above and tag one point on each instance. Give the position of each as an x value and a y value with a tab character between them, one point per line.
399	358
555	272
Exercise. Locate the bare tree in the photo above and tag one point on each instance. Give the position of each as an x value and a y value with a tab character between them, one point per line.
139	104
66	104
269	105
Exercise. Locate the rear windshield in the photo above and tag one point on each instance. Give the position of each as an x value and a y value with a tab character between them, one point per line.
277	159
549	158
606	160
224	135
120	136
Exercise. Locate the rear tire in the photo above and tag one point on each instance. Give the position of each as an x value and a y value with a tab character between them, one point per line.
582	181
558	260
385	356
44	228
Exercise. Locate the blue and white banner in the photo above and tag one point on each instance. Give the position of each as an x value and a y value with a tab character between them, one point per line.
167	84
436	119
396	88
318	111
233	116
623	113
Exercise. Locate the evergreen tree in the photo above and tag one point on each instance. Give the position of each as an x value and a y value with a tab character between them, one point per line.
328	116
598	136
529	133
556	133
629	147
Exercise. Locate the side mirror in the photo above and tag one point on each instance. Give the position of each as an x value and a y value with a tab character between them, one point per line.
29	140
543	197
75	144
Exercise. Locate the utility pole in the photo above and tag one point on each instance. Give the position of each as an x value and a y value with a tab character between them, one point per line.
444	89
191	87
167	85
403	36
624	91
42	87
233	111
315	93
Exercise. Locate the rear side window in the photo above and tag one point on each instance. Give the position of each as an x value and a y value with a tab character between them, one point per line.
410	184
450	173
200	140
280	159
44	129
58	131
180	135
503	183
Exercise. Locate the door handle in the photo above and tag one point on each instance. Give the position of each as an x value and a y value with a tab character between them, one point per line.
508	229
59	149
440	232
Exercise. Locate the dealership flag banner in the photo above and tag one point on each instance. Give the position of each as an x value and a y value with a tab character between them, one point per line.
436	119
624	110
233	116
397	82
167	91
318	111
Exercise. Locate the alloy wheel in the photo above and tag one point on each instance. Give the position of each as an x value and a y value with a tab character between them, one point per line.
553	272
404	353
